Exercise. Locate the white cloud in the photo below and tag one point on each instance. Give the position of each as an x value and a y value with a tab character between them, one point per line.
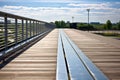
53	0
92	6
48	1
63	13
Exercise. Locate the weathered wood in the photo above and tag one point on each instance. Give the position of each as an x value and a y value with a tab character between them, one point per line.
39	61
104	52
36	63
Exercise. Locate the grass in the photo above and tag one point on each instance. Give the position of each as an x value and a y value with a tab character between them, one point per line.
110	34
98	26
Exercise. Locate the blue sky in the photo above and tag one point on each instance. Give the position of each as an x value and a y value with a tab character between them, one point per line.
51	10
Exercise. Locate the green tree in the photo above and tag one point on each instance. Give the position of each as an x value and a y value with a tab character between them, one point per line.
118	25
60	24
63	24
105	27
68	24
108	25
57	23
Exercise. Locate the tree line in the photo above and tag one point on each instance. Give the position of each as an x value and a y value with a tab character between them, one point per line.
84	26
62	24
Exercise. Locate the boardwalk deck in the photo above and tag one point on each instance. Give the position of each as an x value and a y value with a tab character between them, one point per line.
39	61
36	63
104	52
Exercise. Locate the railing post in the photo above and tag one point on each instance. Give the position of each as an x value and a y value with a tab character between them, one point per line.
39	27
22	30
26	29
16	31
42	27
36	28
33	28
30	28
6	32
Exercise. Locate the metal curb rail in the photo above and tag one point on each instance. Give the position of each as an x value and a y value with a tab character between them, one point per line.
77	71
93	70
61	72
79	66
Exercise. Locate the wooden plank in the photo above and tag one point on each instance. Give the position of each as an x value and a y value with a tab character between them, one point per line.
36	63
92	69
104	52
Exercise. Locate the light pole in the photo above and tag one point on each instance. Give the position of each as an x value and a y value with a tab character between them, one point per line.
88	10
72	19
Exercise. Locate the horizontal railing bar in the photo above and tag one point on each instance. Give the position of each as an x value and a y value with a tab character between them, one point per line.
2	14
16	31
22	43
23	47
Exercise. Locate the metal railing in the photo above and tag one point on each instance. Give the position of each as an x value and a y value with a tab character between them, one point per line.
16	30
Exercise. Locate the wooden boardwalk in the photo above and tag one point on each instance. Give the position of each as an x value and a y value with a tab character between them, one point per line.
39	61
36	63
104	52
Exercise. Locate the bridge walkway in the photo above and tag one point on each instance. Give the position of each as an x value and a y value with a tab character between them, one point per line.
39	62
36	63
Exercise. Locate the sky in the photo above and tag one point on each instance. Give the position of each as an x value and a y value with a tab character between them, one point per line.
52	10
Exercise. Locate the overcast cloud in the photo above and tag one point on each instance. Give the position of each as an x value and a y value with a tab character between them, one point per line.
100	11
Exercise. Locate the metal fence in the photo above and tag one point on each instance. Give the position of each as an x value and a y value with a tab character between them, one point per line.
16	30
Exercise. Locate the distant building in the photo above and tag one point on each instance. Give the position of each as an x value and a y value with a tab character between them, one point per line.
73	25
95	23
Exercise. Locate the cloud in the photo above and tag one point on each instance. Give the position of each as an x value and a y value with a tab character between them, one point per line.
92	6
53	0
48	1
41	13
64	13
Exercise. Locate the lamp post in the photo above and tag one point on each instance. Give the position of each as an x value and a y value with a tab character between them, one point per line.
72	19
88	10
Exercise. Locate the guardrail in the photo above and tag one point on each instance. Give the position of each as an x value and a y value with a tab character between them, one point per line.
16	31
